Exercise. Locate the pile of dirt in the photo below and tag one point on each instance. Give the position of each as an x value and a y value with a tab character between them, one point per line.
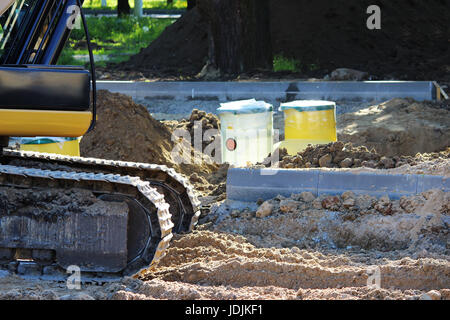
398	127
411	44
126	131
340	155
181	49
198	123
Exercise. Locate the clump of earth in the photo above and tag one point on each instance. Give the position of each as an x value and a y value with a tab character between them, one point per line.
340	155
199	123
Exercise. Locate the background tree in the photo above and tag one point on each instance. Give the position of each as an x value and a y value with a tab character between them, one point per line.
123	7
191	4
239	34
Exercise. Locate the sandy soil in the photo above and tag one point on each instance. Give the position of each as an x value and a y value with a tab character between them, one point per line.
398	127
344	247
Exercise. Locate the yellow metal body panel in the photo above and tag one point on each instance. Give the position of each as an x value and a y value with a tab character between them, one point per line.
68	148
31	123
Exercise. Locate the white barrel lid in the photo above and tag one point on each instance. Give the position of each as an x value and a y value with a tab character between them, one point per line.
245	107
308	105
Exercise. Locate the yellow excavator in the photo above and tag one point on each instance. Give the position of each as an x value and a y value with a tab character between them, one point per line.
108	218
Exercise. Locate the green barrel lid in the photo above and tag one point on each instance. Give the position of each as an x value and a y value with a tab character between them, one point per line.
308	105
245	107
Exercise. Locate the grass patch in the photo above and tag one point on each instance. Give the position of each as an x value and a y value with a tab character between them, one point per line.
281	63
147	4
117	38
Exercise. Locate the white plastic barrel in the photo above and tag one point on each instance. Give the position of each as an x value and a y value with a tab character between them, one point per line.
246	131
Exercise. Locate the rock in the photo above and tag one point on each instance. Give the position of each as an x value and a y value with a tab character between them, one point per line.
347	195
349	203
411	204
307	197
425	296
49	295
345	74
4	274
384	206
288	205
235	213
357	163
369	164
388	163
195	178
264	210
433	295
325	161
445	294
317	204
331	203
296	250
346	163
337	146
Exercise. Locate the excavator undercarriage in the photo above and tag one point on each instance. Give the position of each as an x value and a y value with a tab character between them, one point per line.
105	218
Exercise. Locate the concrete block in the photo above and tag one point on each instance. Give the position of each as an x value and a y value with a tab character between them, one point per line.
432	182
395	186
252	184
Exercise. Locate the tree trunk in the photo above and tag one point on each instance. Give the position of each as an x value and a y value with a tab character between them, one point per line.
123	7
191	4
239	34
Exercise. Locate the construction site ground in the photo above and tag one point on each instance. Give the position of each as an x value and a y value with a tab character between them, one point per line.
299	247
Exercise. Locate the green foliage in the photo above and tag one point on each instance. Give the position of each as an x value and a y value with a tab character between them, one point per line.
66	59
117	38
147	4
281	63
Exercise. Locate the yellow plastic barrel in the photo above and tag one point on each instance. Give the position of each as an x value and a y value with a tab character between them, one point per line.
308	122
63	146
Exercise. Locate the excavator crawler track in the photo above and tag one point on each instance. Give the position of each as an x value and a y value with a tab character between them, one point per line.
184	205
127	240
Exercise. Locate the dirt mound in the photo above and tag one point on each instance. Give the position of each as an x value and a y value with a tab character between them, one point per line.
181	48
340	155
411	44
208	262
398	127
198	123
126	131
